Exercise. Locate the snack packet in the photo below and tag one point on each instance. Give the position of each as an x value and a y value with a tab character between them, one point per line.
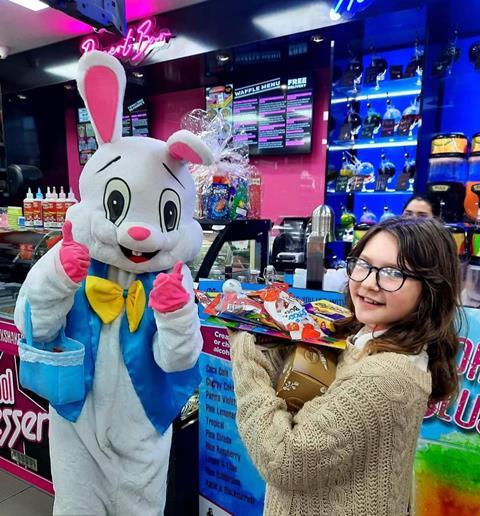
325	314
289	313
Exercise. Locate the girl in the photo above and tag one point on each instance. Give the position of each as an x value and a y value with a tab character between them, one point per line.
350	452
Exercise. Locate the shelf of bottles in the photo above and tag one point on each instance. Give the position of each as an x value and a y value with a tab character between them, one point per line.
374	120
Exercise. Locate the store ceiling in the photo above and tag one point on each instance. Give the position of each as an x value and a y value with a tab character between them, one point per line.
22	29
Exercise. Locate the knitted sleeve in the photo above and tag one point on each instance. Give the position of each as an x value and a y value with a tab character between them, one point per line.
315	447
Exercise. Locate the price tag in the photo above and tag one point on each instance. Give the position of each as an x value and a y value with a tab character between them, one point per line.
341	184
357	185
381	183
388	128
402	182
396	72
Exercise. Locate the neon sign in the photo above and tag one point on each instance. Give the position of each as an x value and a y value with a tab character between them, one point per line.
347	8
141	40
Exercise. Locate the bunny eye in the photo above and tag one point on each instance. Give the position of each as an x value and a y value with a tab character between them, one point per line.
116	200
170	210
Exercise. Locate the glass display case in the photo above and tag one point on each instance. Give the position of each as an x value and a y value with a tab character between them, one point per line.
238	249
374	120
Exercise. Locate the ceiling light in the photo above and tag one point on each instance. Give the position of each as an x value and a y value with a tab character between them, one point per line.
308	15
66	71
316	38
223	58
334	15
33	5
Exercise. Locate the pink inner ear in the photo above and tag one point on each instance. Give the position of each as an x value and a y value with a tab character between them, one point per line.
182	151
101	93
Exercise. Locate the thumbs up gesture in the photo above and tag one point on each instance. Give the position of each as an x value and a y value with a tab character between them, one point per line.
168	293
74	257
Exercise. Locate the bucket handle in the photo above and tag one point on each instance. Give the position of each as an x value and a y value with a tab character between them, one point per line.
29	326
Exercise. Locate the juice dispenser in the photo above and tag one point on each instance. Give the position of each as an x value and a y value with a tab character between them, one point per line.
447	175
471	290
473	183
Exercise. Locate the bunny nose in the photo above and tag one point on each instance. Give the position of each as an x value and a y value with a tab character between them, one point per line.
139	233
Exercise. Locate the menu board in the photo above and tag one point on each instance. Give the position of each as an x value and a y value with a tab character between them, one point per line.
134	123
275	116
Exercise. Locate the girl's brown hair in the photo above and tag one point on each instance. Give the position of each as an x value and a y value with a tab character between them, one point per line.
427	250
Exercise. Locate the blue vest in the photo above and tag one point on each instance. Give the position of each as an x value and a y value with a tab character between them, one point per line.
162	394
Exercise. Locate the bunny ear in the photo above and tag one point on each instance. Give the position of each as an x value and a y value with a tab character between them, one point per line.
101	82
186	146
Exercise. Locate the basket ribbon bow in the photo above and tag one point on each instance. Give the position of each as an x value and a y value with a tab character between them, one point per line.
108	299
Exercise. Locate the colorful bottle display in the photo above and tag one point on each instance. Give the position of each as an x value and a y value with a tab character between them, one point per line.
60	209
71	200
38	210
28	211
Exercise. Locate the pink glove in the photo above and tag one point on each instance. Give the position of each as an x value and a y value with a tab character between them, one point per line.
168	293
74	257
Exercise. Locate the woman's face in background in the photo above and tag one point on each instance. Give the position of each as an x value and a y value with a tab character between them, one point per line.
418	208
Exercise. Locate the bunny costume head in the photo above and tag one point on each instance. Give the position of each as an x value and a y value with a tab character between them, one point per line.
137	195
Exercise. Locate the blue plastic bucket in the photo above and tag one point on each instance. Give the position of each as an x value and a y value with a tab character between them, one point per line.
53	370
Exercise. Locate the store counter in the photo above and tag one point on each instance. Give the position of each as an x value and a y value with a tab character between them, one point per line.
23	419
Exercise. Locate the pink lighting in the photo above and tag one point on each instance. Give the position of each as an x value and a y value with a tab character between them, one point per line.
139	42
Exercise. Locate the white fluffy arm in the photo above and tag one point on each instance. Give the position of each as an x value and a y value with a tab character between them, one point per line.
50	293
178	341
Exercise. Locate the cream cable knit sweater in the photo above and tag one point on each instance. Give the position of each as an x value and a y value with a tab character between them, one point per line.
347	453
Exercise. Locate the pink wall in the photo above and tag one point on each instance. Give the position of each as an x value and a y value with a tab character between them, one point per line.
74	167
167	110
292	185
295	185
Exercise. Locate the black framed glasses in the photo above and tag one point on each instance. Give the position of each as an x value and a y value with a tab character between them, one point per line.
389	279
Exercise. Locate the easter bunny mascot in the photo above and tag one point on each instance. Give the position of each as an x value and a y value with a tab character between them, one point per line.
118	285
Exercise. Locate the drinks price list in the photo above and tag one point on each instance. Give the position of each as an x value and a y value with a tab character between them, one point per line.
274	116
229	482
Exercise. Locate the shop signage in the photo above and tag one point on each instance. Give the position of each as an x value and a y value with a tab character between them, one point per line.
448	458
464	414
141	40
347	8
24	419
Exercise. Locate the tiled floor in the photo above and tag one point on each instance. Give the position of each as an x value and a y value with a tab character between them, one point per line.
17	498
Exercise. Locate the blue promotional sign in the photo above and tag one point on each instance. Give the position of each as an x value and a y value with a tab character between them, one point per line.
347	8
463	415
448	456
229	482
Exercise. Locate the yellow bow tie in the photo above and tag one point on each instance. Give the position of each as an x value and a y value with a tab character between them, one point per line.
107	299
